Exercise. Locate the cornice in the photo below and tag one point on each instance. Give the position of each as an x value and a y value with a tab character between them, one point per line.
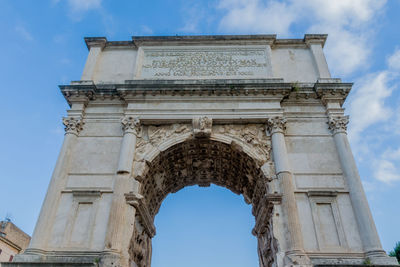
136	89
268	39
95	41
332	90
315	39
274	88
203	39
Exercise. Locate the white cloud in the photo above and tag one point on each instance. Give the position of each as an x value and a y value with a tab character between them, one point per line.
370	95
387	167
194	16
146	30
347	23
255	16
84	5
24	33
394	61
368	107
77	8
343	12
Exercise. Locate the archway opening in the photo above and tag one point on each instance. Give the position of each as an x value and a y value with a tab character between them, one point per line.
204	227
202	161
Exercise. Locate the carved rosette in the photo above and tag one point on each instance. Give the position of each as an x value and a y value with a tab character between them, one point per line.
338	124
131	124
73	125
202	126
276	125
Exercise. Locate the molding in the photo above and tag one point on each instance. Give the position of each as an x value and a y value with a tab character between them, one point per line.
85	193
332	90
136	200
274	198
95	41
267	39
235	89
322	193
11	244
315	39
203	39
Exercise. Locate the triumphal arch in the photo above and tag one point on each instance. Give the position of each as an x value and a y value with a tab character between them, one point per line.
258	115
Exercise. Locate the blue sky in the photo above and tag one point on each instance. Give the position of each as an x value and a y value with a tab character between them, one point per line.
42	46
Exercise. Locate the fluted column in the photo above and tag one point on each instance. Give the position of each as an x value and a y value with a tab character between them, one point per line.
73	125
118	224
276	128
369	236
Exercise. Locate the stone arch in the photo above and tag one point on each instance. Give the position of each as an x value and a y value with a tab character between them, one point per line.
179	159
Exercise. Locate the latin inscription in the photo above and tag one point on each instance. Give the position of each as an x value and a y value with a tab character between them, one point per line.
204	63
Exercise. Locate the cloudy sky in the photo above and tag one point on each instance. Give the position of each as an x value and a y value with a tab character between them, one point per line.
42	46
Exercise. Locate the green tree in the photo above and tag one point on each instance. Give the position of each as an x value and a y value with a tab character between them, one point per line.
396	252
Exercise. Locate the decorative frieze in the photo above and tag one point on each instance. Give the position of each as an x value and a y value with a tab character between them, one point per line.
338	124
73	125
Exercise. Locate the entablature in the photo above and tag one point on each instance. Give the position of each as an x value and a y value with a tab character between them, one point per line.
272	89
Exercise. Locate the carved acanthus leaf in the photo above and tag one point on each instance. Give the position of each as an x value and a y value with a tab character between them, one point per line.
338	124
276	125
131	124
73	125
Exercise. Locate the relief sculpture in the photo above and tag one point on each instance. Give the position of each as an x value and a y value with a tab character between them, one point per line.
140	248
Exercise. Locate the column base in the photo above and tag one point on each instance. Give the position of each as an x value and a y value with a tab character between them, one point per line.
379	257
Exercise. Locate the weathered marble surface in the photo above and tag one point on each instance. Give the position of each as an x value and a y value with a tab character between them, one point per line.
255	114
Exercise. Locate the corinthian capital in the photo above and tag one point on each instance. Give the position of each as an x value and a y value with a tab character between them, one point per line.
338	124
276	125
73	125
131	124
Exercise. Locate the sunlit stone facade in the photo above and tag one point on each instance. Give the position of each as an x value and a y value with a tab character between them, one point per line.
258	115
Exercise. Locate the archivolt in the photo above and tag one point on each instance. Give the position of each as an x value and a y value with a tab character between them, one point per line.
183	161
202	162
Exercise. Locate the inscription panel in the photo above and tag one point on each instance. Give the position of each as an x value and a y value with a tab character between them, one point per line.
204	63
